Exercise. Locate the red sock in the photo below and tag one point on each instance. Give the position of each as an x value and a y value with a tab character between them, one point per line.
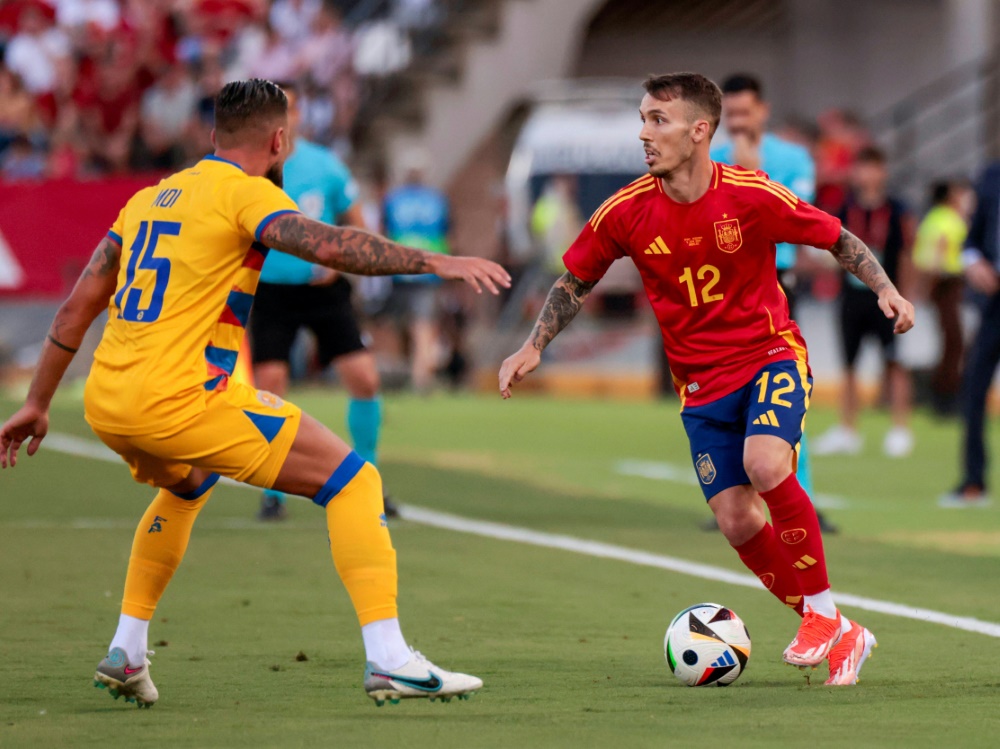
764	557
798	533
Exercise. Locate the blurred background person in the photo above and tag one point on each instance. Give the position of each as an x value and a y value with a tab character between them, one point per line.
937	257
165	115
981	260
745	115
886	226
294	294
417	215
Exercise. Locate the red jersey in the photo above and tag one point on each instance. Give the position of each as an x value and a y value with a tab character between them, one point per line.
709	272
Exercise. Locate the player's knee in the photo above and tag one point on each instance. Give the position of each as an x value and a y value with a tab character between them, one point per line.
765	470
366	386
738	523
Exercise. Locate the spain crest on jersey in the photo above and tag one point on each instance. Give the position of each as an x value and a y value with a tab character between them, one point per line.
728	236
706	469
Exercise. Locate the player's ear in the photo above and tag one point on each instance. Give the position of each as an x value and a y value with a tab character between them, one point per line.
701	130
279	141
214	145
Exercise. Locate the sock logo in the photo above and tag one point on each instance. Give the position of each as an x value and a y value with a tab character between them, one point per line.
156	527
805	562
794	536
792	601
767	579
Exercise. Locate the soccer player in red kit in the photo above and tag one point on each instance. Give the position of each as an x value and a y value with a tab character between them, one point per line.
702	235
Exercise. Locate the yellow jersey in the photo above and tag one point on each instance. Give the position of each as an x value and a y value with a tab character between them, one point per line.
190	261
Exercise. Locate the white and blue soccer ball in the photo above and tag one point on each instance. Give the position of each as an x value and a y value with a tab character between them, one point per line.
707	645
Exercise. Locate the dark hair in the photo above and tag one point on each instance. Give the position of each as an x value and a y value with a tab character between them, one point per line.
247	107
942	190
740	82
871	155
693	88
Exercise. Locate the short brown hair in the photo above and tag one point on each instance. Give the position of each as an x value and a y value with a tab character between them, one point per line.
693	88
243	107
871	155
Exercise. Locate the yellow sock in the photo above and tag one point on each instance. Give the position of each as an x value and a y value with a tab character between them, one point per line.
159	545
359	539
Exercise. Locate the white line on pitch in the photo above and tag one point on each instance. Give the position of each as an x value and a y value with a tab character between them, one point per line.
659	471
89	449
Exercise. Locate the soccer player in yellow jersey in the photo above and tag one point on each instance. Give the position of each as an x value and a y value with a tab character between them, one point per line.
177	273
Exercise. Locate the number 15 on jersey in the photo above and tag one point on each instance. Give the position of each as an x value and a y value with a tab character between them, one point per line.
142	255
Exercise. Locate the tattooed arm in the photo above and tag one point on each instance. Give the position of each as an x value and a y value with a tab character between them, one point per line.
855	257
358	251
91	294
563	302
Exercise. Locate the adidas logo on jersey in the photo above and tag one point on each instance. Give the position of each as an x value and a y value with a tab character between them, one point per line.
658	247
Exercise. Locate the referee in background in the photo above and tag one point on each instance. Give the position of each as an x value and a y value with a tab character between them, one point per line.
295	294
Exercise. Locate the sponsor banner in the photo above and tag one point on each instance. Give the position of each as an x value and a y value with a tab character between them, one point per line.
49	229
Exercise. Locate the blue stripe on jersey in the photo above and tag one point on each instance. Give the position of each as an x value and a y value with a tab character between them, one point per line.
268	219
240	303
223	358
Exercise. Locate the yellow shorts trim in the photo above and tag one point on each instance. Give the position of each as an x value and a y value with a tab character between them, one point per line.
243	433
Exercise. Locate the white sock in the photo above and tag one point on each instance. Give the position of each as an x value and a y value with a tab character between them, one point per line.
384	644
845	625
132	637
822	603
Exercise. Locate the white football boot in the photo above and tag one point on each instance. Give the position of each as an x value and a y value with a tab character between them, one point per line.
121	679
418	677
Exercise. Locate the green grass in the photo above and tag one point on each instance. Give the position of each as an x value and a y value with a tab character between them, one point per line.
570	647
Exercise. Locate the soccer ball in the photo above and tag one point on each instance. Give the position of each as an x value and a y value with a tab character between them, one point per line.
707	645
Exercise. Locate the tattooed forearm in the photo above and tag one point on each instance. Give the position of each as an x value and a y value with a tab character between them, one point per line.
343	248
855	257
563	302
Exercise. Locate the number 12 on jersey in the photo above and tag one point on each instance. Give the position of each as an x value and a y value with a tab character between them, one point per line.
709	272
142	255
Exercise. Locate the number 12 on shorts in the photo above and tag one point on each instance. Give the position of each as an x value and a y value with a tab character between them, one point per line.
142	255
776	392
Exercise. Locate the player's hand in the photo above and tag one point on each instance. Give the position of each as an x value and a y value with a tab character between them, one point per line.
893	306
475	271
517	366
983	277
31	422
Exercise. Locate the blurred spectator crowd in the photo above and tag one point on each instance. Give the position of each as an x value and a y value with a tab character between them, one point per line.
91	87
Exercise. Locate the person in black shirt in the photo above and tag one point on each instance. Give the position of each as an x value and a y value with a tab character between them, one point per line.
887	227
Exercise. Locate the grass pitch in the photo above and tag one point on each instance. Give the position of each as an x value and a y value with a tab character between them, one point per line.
570	646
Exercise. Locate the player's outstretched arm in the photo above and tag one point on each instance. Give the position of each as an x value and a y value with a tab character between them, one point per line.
856	258
565	299
90	295
358	251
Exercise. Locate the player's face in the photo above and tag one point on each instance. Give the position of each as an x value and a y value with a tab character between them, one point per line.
667	135
744	114
869	178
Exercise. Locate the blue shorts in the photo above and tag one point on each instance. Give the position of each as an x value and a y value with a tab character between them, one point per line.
774	402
